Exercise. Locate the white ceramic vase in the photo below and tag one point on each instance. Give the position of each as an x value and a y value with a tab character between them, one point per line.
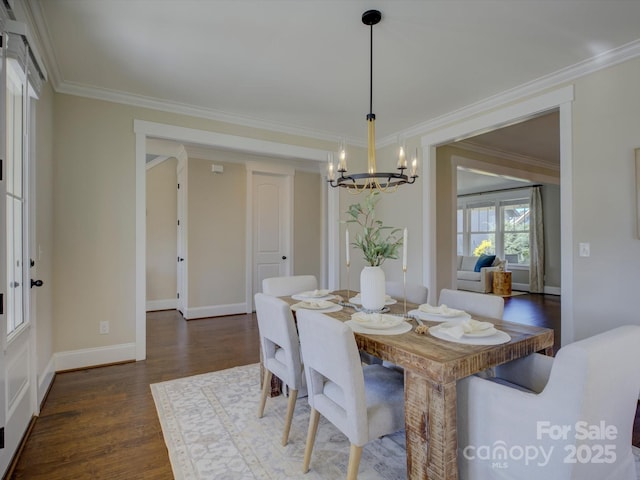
372	288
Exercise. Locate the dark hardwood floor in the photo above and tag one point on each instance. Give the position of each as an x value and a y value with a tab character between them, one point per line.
101	423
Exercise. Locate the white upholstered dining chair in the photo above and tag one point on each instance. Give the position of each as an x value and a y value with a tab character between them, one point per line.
364	403
473	303
280	286
417	294
281	352
547	406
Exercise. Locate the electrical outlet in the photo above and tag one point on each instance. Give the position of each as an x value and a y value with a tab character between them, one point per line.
104	327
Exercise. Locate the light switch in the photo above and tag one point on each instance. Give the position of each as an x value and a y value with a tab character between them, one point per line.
584	249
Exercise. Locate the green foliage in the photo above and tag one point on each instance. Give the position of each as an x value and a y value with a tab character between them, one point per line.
377	242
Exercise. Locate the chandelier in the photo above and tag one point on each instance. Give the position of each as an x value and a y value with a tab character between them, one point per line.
372	179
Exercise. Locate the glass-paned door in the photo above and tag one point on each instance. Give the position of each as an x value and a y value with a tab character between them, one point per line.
14	196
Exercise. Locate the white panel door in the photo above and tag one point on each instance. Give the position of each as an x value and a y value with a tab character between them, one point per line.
271	227
18	370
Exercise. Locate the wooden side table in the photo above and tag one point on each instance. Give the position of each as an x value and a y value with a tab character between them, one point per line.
502	283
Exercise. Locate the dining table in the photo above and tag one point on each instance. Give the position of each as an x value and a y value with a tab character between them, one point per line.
432	367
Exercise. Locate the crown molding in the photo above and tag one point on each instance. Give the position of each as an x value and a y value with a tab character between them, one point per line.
472	146
604	60
556	79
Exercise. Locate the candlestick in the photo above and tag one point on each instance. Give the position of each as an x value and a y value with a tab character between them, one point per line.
404	250
347	250
404	287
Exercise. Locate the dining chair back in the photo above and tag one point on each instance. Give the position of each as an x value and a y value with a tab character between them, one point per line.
281	286
416	293
364	403
473	303
575	411
280	350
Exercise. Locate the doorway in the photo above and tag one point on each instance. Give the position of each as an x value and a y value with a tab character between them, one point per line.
560	99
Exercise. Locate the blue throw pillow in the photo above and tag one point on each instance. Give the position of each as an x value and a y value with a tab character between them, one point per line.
484	261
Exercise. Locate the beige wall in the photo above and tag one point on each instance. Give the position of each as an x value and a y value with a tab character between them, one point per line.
606	116
162	214
216	248
307	211
94	228
94	236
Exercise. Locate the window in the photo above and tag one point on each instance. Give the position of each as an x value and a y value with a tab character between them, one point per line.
515	231
15	198
494	225
482	230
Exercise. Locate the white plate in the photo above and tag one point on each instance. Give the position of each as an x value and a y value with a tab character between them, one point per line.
313	305
436	318
358	301
404	327
376	321
498	337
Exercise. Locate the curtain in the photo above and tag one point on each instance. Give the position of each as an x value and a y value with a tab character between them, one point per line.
536	242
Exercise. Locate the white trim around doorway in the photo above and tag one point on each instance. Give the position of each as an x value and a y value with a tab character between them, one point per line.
143	129
562	99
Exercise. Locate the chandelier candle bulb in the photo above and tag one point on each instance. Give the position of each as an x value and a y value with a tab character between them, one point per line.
331	174
414	167
342	162
404	250
402	159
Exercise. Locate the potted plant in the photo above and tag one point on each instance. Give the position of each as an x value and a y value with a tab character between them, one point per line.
377	243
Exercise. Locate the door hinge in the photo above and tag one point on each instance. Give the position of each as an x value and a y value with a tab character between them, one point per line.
1	303
178	186
178	221
2	437
0	169
177	295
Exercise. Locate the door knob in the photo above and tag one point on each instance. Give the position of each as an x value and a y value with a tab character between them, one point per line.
36	283
284	257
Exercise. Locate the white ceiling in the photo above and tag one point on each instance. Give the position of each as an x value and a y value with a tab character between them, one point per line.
302	65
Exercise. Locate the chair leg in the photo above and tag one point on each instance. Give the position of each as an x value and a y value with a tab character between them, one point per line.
293	395
311	438
266	386
354	462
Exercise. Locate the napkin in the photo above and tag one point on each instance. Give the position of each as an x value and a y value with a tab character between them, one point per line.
458	329
315	293
311	305
440	310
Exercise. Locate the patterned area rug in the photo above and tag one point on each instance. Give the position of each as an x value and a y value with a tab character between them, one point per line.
212	431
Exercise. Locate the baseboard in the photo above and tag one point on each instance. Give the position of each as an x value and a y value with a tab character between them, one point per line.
215	311
524	287
553	290
91	357
167	304
45	380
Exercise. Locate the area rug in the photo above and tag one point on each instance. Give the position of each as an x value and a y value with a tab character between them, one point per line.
212	431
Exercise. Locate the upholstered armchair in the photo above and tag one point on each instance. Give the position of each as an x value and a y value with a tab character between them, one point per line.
558	419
